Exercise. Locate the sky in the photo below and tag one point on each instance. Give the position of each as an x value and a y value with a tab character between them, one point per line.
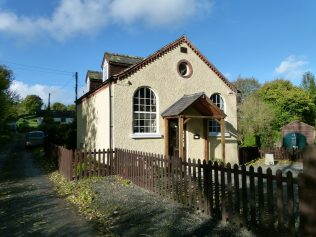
45	42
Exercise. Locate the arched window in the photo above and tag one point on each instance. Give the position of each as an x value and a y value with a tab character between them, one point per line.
218	100
213	126
144	111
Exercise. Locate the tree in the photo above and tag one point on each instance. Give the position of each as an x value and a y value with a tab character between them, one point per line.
7	97
246	86
31	104
58	106
71	107
289	102
255	121
308	83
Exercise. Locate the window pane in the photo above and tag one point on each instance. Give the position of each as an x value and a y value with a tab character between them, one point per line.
141	92
144	106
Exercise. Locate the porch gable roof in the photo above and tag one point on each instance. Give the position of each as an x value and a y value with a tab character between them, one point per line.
199	101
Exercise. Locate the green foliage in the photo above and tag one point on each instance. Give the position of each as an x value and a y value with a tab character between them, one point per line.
308	83
61	134
7	98
79	193
71	107
255	122
249	140
289	102
58	106
31	104
26	124
246	86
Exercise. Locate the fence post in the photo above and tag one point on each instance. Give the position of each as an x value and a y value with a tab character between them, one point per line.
244	195
280	200
237	191
223	214
252	197
75	152
229	192
270	196
217	209
290	202
260	195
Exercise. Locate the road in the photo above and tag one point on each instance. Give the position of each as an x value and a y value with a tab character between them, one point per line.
28	204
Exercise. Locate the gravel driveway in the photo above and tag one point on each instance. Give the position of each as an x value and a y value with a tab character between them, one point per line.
28	204
294	167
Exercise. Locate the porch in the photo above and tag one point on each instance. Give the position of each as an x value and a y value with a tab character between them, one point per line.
178	115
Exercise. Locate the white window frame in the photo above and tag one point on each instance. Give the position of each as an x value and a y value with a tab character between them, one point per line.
149	135
216	132
105	71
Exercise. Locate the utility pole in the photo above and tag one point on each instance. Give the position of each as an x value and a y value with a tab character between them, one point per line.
48	105
76	86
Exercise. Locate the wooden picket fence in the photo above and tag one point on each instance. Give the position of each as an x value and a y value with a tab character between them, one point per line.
230	193
281	153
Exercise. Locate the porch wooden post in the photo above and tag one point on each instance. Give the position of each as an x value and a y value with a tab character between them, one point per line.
180	124
223	139
166	137
205	135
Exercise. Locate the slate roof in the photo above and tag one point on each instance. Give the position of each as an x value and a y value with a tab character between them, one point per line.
137	63
57	113
297	123
183	103
122	58
94	75
199	101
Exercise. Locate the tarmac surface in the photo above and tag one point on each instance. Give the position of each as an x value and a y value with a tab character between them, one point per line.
29	205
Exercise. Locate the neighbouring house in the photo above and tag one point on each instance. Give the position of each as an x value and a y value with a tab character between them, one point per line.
173	102
297	134
59	116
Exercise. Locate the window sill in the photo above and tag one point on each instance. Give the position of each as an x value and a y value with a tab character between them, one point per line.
218	134
145	135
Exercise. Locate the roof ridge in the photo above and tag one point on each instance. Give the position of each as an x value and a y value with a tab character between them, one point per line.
124	55
94	71
157	54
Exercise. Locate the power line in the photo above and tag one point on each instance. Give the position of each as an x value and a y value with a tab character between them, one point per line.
41	71
39	68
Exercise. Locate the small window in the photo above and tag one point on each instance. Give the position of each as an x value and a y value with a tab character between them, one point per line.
184	69
144	111
214	126
183	50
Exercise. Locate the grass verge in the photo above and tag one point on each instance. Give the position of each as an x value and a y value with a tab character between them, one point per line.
79	193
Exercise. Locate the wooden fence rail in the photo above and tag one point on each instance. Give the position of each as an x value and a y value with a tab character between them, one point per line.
225	192
281	153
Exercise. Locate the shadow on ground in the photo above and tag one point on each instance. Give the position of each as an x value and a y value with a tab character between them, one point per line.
28	204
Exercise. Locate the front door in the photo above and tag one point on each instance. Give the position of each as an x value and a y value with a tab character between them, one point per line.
173	138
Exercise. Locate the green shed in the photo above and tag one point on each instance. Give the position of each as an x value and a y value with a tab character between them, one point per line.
294	140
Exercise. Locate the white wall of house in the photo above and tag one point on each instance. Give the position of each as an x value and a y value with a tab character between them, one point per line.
162	77
93	121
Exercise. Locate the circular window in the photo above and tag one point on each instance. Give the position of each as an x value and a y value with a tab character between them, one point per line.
184	68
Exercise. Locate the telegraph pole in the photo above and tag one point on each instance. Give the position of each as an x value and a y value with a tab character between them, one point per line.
48	105
76	86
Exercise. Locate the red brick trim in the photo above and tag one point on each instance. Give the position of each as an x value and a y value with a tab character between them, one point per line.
161	52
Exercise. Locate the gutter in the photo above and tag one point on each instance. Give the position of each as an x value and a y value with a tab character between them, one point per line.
110	118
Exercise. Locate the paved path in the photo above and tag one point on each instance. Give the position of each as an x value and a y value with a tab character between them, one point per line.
28	204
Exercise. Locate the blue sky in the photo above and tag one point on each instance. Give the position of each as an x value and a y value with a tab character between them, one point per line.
45	42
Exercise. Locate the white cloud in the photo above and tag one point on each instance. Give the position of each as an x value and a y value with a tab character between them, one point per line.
57	94
162	12
292	68
73	17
